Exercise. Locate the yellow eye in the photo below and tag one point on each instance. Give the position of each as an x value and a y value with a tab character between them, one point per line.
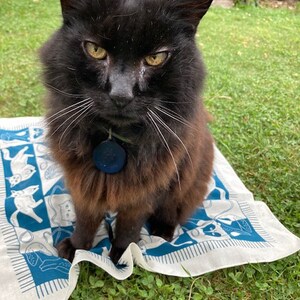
95	51
156	59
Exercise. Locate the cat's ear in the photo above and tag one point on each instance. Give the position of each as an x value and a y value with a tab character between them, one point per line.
66	5
191	11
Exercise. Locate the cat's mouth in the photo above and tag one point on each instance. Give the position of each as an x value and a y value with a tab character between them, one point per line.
119	116
121	119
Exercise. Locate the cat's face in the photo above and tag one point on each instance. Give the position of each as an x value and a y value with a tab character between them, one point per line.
14	180
127	57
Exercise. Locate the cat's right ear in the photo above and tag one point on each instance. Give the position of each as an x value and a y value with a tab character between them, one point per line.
65	5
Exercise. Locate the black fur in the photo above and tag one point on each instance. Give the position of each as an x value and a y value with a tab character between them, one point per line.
129	30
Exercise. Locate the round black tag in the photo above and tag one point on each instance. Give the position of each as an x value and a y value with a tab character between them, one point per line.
109	157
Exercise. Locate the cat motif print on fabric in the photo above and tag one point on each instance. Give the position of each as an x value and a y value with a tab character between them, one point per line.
20	168
25	204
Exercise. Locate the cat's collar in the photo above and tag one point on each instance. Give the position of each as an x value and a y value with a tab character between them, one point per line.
121	138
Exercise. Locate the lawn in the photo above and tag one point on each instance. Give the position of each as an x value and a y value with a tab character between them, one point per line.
253	92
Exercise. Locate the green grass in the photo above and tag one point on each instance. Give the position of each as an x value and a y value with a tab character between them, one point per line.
253	91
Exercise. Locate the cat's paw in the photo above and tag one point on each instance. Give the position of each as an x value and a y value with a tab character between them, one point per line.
116	253
163	230
66	250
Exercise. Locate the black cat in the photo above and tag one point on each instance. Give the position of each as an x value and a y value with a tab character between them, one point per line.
124	115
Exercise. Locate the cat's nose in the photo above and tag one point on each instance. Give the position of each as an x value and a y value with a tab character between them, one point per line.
121	100
121	92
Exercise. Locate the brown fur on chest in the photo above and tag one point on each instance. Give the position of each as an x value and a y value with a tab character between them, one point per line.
139	184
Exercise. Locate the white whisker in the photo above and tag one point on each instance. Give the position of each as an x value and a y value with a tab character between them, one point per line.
161	121
62	92
67	110
166	146
70	117
79	117
175	116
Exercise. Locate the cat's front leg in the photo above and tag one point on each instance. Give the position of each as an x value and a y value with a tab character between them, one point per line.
128	229
164	220
83	236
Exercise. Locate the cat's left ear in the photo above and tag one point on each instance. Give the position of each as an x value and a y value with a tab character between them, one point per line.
191	11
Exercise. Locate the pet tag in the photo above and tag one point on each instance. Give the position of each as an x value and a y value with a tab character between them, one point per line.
109	157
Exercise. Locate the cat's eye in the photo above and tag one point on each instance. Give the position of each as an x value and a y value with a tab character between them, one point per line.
156	59
95	51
